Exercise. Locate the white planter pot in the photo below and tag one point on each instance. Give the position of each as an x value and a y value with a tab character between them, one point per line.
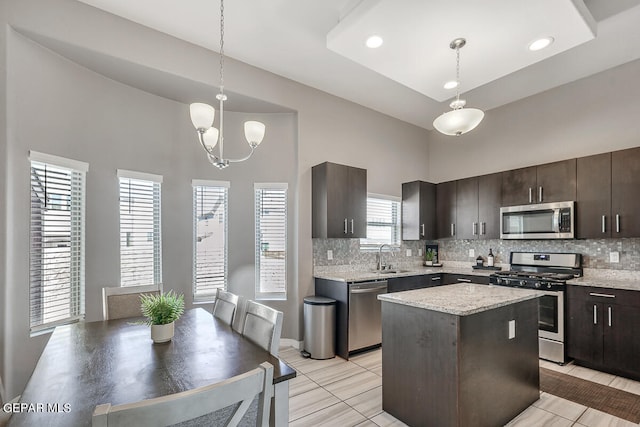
162	333
428	263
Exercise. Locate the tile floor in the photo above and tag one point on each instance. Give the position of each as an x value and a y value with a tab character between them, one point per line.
336	392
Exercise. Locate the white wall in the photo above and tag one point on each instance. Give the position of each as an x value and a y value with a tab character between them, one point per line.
593	115
82	115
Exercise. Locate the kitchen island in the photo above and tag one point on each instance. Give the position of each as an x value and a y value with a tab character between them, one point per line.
459	355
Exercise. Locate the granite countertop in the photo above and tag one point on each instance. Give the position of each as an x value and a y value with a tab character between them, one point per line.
603	282
364	275
461	299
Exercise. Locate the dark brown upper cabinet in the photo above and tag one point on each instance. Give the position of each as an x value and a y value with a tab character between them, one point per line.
478	201
551	182
446	210
418	210
339	201
625	192
593	197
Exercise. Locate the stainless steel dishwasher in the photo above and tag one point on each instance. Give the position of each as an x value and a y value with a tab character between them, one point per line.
365	314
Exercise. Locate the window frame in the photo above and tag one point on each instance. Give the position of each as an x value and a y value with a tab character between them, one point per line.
156	236
205	296
76	205
366	244
261	294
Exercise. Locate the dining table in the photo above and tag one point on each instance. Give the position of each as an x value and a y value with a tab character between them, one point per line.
86	364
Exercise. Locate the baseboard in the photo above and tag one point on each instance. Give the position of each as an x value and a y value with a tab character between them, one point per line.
288	342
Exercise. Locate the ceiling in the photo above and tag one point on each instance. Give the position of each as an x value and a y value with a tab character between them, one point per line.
321	44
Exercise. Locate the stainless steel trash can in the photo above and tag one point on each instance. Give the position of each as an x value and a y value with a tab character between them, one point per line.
320	327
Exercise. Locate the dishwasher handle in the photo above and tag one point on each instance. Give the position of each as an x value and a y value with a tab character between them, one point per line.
368	290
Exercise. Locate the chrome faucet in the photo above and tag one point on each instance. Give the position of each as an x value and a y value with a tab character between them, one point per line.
381	265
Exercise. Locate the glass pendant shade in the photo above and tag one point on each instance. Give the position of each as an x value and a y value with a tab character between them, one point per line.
459	121
254	132
210	137
202	115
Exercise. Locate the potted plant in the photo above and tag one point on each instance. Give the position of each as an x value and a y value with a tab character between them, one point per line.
429	255
161	311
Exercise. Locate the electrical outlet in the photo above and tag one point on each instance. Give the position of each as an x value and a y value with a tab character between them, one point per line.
614	256
408	252
472	253
329	254
512	329
419	252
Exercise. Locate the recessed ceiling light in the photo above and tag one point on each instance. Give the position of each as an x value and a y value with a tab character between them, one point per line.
374	42
451	84
540	43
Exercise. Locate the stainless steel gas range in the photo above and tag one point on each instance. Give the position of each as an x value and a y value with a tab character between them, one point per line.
547	272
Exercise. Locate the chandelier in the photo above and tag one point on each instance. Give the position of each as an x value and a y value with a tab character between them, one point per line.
459	120
203	115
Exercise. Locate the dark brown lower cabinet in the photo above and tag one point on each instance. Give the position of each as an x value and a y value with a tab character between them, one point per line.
408	283
602	329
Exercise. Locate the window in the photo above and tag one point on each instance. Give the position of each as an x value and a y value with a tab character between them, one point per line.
210	206
271	240
140	246
383	221
56	253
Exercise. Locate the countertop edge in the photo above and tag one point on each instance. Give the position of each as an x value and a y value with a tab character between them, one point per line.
395	298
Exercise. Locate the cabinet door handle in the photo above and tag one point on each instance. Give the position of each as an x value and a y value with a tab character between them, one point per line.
453	230
464	280
433	279
609	316
595	314
474	228
352	226
422	230
345	226
530	195
540	194
604	223
595	294
617	223
483	228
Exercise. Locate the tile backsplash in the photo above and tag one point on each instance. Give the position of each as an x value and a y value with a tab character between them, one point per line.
595	252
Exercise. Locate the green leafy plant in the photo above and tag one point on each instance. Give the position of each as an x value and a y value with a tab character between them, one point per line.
162	309
430	254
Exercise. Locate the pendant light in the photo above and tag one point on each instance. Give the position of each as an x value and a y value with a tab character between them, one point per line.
459	120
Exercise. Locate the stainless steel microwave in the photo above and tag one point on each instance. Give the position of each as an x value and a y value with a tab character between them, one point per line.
539	221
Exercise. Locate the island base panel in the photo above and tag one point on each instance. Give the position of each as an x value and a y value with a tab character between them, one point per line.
440	369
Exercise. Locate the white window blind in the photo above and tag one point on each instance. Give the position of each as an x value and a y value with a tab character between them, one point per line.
140	244
383	221
56	255
210	206
271	240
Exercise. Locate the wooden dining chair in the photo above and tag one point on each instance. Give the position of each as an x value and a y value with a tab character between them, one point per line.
124	301
225	306
199	402
263	326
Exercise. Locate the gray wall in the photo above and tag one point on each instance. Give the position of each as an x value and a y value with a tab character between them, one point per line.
60	107
4	301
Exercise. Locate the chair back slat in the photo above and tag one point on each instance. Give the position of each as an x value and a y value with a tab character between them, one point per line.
191	404
225	306
263	326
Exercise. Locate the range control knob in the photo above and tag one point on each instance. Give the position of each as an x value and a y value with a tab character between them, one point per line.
523	282
548	285
506	281
537	284
498	280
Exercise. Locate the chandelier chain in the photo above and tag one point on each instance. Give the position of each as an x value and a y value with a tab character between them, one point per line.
221	46
458	73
